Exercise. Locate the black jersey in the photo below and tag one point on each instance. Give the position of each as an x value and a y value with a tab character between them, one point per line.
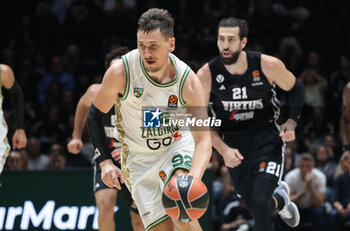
108	124
243	102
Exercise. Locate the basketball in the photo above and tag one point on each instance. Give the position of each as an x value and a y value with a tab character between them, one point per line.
185	198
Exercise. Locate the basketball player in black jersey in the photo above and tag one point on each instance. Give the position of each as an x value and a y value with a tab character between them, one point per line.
240	86
105	196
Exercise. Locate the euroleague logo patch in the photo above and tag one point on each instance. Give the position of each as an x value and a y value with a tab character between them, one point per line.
256	78
172	101
162	175
256	74
262	166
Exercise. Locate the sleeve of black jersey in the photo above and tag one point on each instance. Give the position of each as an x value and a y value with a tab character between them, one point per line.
17	101
296	100
97	134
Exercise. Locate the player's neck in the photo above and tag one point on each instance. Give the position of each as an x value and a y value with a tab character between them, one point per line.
166	74
239	67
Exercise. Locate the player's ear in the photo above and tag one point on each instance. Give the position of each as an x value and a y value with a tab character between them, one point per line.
171	44
244	42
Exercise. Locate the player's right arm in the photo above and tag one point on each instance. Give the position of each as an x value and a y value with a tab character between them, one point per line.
112	86
8	81
81	113
231	156
345	120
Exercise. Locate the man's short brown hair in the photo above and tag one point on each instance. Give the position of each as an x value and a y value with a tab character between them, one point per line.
307	157
156	18
235	22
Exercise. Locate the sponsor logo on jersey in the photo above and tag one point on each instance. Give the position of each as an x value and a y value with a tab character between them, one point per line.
222	87
172	102
220	78
138	92
242	105
114	144
177	136
241	116
157	132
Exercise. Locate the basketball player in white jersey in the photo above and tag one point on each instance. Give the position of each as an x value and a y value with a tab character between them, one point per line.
105	197
151	77
19	139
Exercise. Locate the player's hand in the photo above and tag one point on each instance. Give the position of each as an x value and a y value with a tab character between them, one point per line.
111	175
19	139
75	145
232	157
288	130
179	172
116	154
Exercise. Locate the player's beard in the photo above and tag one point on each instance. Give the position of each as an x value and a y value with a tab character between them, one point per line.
233	59
153	70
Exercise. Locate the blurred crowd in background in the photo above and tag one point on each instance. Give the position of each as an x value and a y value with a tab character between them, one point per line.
57	48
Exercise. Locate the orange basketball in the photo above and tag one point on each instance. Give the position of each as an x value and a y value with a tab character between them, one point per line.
185	198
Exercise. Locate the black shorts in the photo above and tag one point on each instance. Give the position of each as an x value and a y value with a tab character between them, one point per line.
99	185
263	153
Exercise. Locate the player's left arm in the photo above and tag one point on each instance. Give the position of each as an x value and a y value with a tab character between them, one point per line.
19	138
194	97
277	73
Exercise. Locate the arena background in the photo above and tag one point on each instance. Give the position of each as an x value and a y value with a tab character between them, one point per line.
39	37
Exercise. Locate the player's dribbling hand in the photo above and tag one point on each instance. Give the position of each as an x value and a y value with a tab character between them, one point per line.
232	157
288	130
116	154
75	145
111	175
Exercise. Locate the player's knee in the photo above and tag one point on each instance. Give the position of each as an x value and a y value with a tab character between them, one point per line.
136	221
182	225
188	226
105	207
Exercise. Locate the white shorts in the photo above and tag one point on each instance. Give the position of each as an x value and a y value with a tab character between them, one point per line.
4	151
148	175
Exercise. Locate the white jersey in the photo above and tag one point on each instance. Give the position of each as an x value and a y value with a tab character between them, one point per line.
4	145
144	109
